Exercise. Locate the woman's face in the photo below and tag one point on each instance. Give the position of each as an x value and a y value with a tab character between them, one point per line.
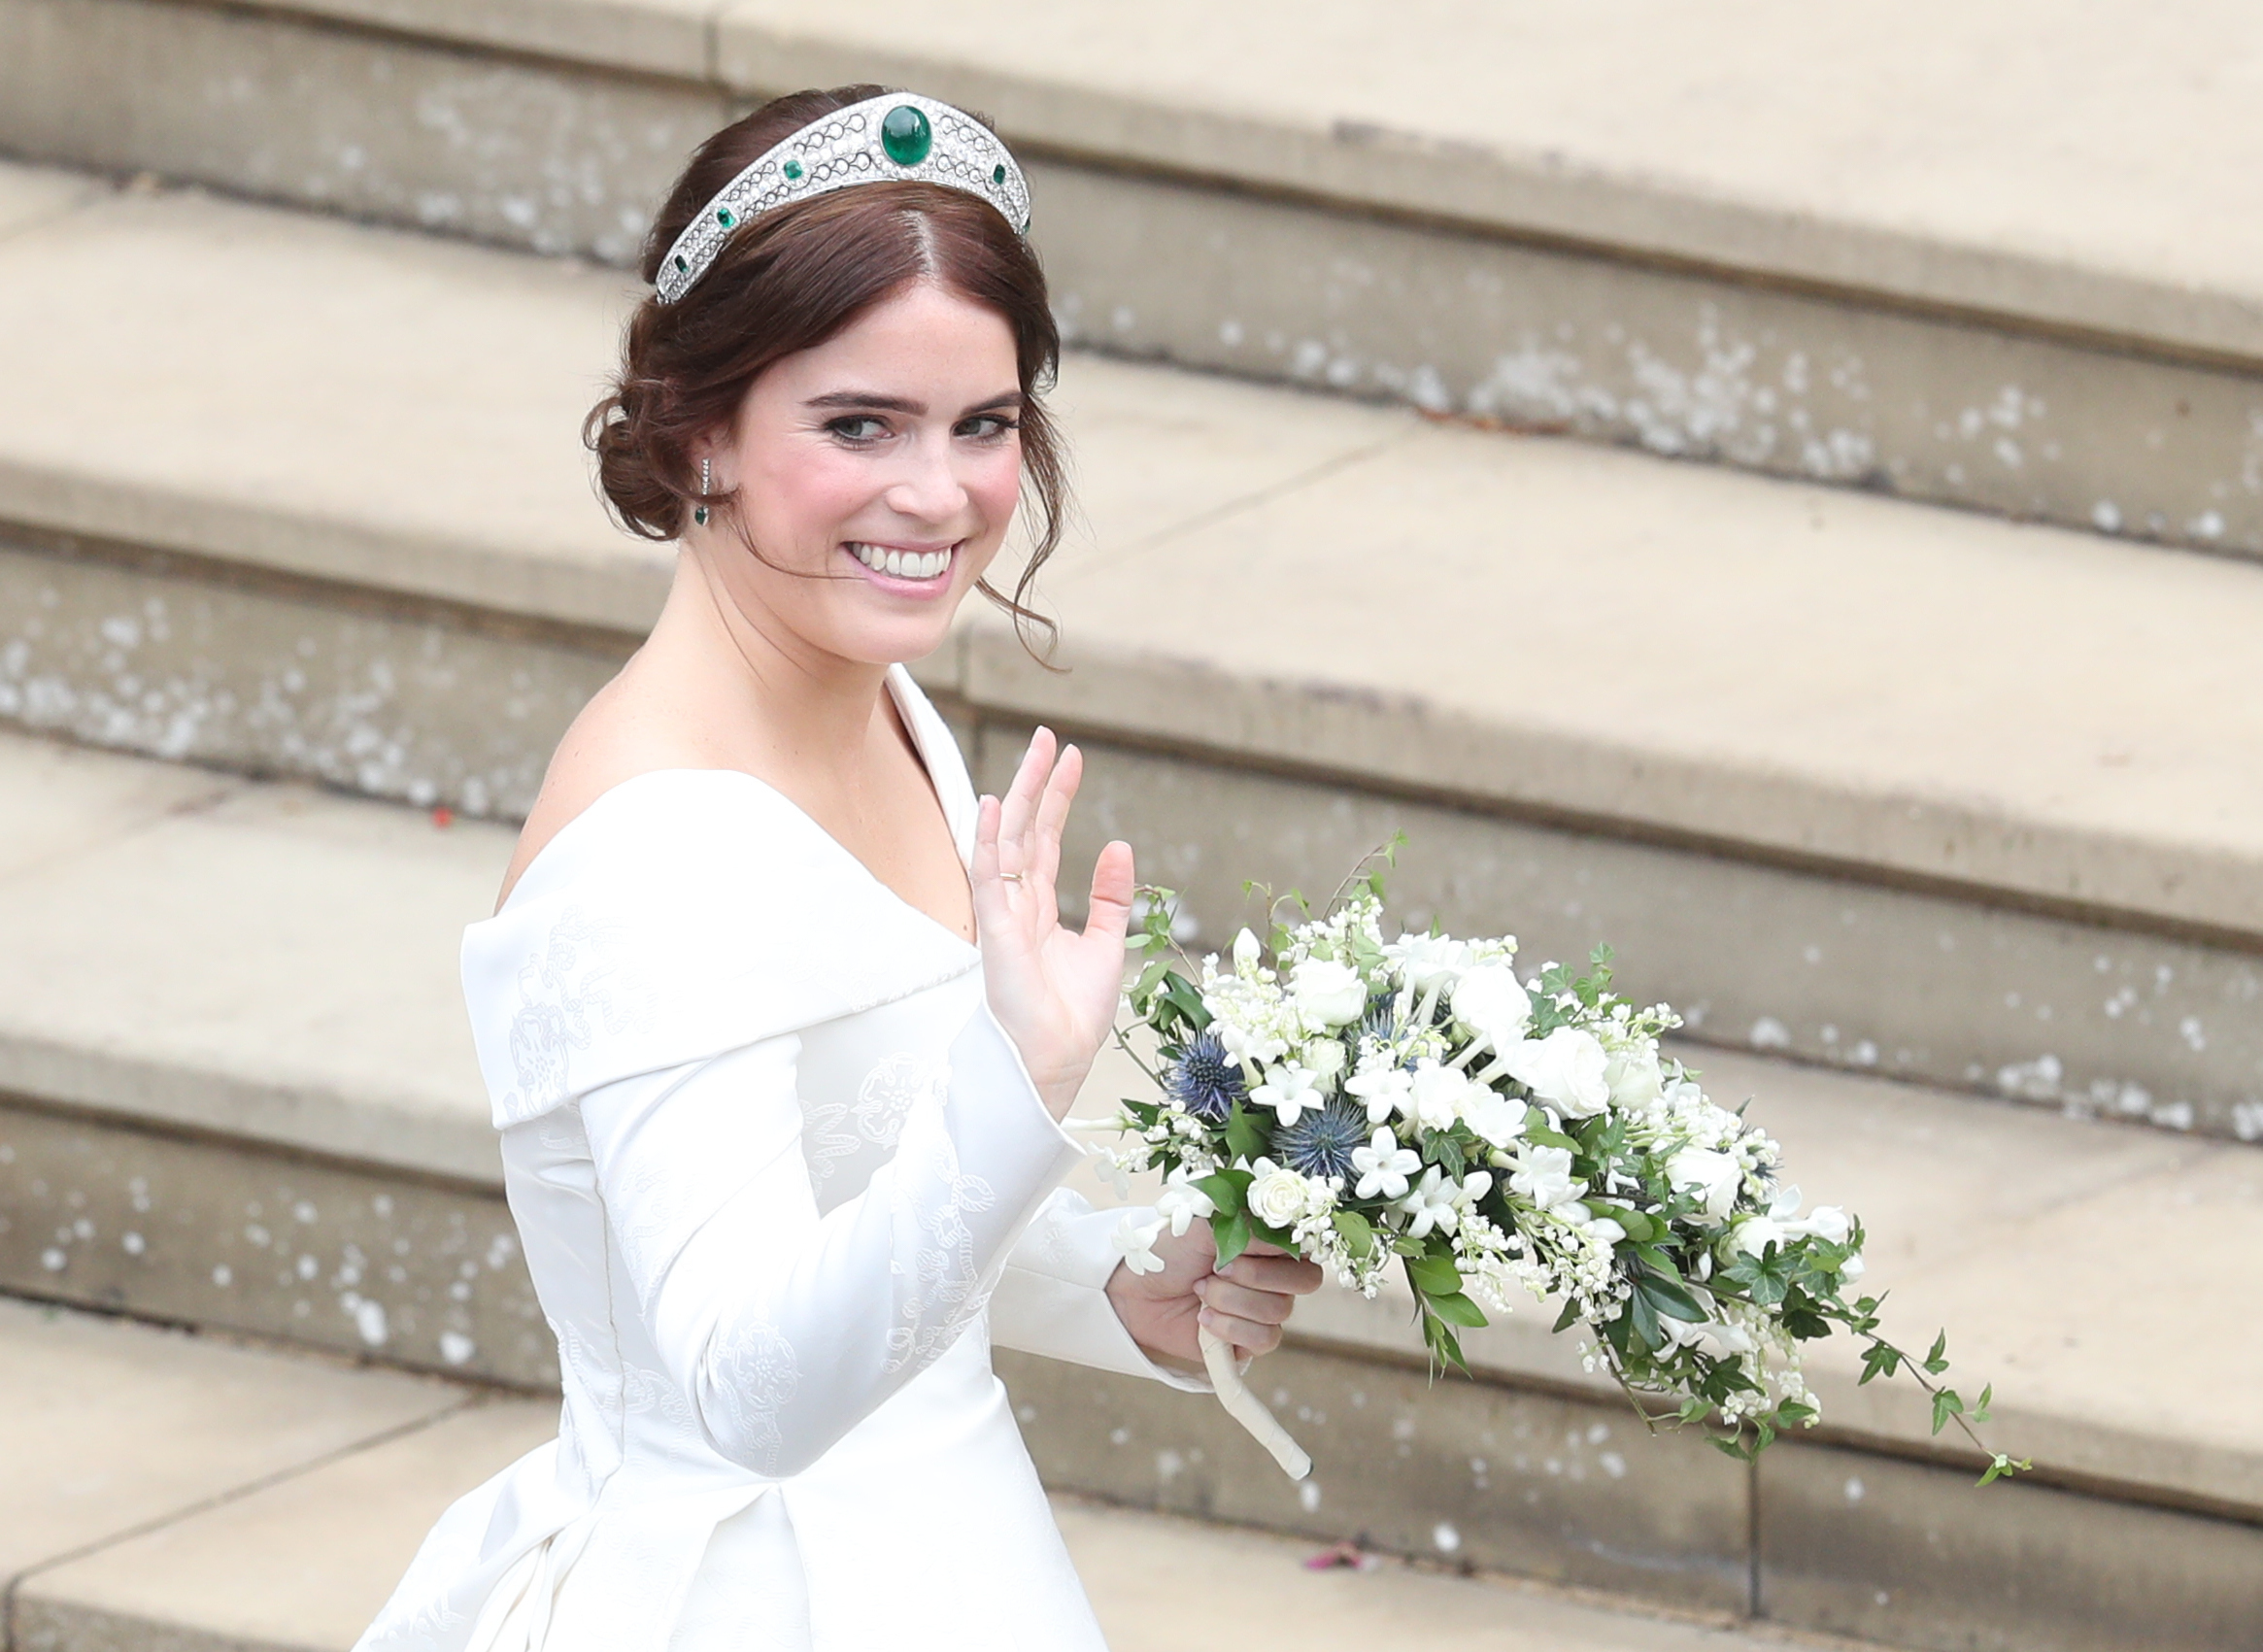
887	463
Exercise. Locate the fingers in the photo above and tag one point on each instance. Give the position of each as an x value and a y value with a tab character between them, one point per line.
1052	815
1020	805
1247	1336
1109	915
1239	1301
1273	1270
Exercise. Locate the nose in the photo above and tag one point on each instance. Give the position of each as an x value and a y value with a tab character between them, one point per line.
929	489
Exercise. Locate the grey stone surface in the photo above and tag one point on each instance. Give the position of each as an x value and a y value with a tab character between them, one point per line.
420	703
1915	1556
1728	303
114	1425
276	964
1569	1491
375	125
1690	364
206	1231
304	1564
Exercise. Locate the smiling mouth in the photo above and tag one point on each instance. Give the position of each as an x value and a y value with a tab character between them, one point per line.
904	564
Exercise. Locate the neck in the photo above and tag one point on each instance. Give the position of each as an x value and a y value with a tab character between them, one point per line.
772	694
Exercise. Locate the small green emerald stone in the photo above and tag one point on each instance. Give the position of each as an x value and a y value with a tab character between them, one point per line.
792	171
997	173
726	216
683	263
905	135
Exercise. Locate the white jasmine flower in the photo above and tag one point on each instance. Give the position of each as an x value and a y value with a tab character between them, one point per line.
1490	1003
1246	1045
1494	1116
1633	1078
1436	1095
1327	994
1135	1241
1716	1176
1287	1091
1181	1204
1720	1340
1278	1196
1109	1167
1565	1068
1384	1166
1383	1086
1543	1175
1433	1202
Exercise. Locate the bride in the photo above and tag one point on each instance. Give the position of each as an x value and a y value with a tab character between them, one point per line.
777	1018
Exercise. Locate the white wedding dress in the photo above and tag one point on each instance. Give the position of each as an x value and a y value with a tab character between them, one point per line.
781	1179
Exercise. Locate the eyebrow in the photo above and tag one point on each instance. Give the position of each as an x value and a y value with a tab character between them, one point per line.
860	400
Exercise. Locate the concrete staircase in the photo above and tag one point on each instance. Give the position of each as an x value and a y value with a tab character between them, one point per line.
1934	822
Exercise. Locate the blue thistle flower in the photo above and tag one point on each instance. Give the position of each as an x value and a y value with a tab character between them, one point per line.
1204	1080
1320	1143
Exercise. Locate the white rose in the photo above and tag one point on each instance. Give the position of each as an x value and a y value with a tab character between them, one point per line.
1321	1057
1716	1176
1634	1080
1565	1069
1327	994
1279	1194
1495	1117
1493	1006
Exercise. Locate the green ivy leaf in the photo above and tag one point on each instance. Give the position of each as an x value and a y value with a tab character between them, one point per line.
1359	1234
1230	1229
1245	1137
1937	1361
1946	1405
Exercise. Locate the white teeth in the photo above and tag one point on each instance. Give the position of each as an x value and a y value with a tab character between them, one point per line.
904	564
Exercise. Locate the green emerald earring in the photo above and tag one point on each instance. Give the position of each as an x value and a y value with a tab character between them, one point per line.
700	512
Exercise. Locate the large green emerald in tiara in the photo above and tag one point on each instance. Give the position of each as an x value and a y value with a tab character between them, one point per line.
905	135
792	171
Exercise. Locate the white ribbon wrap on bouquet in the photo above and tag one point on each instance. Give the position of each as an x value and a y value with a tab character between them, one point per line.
1247	1409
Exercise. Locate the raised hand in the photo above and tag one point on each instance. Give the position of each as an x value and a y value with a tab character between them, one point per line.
1053	990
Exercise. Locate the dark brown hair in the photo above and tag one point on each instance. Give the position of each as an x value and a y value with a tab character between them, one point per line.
790	281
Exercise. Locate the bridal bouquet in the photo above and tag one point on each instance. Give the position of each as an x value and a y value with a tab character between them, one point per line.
1369	1102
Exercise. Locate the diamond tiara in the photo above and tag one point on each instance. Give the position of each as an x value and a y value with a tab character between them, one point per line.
895	139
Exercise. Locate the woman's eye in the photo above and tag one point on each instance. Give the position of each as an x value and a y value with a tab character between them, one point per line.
858	428
988	426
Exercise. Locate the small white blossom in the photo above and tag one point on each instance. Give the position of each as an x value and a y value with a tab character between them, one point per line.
1289	1091
1716	1176
1494	1117
1135	1241
1428	960
1383	1086
1543	1175
1181	1204
1384	1166
1436	1095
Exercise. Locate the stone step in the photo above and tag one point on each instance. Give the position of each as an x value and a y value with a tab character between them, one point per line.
235	1092
1908	791
1875	244
185	1495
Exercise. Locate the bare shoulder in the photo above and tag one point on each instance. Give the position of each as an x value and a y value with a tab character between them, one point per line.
626	730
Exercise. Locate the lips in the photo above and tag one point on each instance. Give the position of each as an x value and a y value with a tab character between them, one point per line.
904	564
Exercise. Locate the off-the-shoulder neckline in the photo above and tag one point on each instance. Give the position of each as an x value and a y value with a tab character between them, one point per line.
897	682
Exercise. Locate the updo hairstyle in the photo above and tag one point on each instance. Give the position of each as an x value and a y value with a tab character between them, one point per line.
788	280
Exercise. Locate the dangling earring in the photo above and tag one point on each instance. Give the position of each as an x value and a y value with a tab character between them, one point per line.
699	512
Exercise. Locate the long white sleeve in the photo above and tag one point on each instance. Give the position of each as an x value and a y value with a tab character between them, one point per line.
1053	1299
785	1328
